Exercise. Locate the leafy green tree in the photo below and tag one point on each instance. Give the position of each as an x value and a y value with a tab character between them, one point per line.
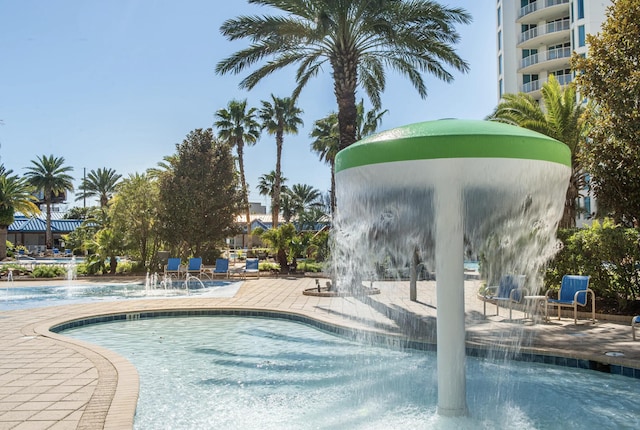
562	118
356	39
134	211
77	212
15	196
109	243
327	138
608	76
200	198
99	183
238	126
49	175
279	116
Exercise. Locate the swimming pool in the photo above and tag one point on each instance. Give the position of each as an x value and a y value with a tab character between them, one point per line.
256	373
13	296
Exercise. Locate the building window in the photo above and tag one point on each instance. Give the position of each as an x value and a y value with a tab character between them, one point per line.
571	11
580	9
499	17
587	206
500	64
581	36
501	87
500	40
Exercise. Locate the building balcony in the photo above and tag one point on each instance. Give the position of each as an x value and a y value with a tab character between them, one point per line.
553	33
543	10
546	60
533	88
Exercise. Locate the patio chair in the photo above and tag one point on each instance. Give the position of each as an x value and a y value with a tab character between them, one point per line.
221	269
573	292
194	268
634	321
56	252
509	291
173	268
251	268
68	252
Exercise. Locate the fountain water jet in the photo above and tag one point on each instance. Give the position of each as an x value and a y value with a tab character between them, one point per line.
441	186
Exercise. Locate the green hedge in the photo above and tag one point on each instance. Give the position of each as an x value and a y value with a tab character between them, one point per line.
607	252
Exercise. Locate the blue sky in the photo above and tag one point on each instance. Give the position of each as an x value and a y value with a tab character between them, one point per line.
119	83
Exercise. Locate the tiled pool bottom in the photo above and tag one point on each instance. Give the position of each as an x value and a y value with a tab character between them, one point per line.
13	296
231	372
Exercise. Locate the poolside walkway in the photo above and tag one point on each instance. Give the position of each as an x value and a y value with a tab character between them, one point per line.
48	381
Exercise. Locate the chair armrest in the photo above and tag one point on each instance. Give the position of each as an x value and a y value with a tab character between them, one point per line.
492	289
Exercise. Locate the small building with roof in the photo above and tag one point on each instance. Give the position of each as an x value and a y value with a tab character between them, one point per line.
30	231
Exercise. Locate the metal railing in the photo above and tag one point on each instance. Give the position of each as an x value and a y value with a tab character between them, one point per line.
539	5
552	27
552	54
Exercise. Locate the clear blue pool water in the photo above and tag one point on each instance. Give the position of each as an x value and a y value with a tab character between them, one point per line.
13	296
255	373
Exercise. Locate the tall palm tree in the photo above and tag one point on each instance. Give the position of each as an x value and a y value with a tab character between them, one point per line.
237	125
560	117
99	183
327	138
356	39
49	175
267	185
16	195
279	116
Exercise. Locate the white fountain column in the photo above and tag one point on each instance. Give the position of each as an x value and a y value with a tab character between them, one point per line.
451	357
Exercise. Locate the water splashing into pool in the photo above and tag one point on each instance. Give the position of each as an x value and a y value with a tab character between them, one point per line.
439	190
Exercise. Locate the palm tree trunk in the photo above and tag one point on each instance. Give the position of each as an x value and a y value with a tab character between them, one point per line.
3	242
345	75
48	235
275	204
245	192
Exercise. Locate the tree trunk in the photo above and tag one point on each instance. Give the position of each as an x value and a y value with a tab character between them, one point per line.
3	241
345	76
245	192
275	204
48	235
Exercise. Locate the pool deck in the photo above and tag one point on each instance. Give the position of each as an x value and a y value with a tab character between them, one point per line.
49	381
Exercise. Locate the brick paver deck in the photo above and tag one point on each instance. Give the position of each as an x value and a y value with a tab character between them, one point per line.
49	381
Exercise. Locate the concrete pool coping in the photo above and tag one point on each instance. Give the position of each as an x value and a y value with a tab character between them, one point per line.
49	381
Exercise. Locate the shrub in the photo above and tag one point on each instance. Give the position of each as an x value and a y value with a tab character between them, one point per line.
309	266
267	266
48	271
609	253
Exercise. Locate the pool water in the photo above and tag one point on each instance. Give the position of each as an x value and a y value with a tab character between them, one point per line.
255	373
13	296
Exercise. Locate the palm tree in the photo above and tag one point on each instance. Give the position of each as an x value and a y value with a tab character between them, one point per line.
166	165
99	183
560	117
267	185
356	39
49	175
279	117
327	138
16	195
237	126
303	198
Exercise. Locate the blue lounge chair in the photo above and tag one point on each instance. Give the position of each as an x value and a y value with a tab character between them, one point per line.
56	252
222	268
194	268
573	292
68	252
509	291
251	268
173	268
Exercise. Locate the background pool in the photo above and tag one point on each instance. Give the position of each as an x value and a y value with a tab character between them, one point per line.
255	373
13	296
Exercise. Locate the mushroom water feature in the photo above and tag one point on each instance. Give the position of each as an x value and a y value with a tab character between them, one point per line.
438	191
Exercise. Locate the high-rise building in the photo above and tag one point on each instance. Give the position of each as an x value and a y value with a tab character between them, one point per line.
535	39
